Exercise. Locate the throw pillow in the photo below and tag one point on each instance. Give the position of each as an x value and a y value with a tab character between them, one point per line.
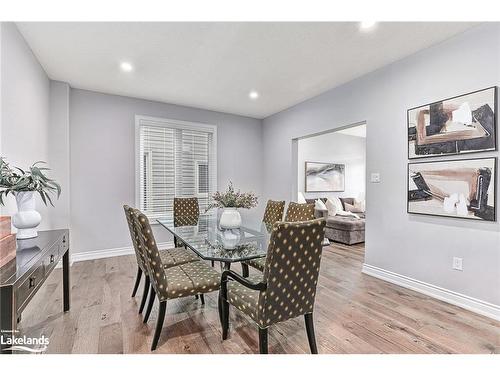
319	205
331	207
351	208
360	205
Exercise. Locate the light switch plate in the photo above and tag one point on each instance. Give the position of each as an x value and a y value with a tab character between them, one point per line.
375	177
457	264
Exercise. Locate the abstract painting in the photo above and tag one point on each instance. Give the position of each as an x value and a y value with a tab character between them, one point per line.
324	177
462	124
456	188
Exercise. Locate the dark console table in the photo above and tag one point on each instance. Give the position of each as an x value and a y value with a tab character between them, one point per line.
23	276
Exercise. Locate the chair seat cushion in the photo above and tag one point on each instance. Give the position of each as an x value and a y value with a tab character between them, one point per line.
258	263
190	279
244	299
177	256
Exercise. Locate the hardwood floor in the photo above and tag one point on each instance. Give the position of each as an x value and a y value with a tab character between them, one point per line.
354	313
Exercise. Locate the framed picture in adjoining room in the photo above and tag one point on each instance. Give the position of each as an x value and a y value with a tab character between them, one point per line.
455	188
458	125
323	177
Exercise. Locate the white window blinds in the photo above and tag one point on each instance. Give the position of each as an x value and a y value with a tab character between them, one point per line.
174	159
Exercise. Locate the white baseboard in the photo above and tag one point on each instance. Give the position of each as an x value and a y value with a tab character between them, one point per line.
107	253
469	303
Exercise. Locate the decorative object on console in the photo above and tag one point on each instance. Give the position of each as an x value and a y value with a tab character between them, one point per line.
7	241
23	184
321	177
462	124
230	201
455	188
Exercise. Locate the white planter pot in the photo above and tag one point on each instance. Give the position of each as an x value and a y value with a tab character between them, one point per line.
230	218
27	218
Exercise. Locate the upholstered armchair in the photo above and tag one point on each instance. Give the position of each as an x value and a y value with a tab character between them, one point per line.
295	212
188	279
272	214
170	258
287	287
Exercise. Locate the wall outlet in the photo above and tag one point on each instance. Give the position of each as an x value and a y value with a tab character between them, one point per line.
457	264
375	177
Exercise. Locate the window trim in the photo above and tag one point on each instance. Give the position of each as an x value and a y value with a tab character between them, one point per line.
197	177
176	124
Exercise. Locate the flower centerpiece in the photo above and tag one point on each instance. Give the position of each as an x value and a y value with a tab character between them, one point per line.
230	201
23	184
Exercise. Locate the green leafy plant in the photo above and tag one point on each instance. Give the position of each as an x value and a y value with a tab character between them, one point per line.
15	179
232	198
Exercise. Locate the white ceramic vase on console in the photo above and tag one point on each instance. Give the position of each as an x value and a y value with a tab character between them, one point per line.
27	219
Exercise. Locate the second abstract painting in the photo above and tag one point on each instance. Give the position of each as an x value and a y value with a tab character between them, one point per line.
457	188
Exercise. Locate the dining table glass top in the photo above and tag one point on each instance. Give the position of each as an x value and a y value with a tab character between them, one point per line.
204	236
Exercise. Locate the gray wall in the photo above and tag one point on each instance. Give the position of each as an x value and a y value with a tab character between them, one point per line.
419	247
25	92
102	144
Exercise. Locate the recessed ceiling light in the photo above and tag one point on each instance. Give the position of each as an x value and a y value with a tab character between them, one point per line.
253	95
367	25
126	66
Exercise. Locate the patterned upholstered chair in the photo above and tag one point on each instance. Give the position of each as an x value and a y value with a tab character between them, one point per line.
188	279
287	287
186	212
272	214
170	258
300	212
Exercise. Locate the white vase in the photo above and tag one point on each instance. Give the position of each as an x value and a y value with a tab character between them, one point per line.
230	218
27	218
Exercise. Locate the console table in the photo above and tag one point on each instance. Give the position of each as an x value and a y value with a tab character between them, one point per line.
23	276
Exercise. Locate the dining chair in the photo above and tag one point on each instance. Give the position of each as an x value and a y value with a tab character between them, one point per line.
186	212
272	214
188	279
287	287
295	212
170	258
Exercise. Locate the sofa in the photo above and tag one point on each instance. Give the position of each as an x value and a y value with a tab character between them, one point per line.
344	229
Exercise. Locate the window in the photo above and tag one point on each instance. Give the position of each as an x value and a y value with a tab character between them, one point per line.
173	159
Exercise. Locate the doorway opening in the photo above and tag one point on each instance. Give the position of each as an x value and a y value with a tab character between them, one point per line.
329	170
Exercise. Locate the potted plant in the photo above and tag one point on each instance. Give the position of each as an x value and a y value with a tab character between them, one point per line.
23	184
230	201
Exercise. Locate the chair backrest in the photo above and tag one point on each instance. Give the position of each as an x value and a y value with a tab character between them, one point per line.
133	235
274	212
291	270
151	254
299	212
186	211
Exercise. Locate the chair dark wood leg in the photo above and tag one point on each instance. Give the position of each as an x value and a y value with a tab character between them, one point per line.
159	324
151	301
196	296
245	271
202	298
144	294
310	333
263	340
137	281
213	263
225	319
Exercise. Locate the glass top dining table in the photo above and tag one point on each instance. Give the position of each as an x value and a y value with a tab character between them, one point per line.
210	242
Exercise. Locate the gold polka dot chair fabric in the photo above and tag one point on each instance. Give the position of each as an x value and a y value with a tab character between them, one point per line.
179	281
290	272
186	211
272	214
170	257
300	212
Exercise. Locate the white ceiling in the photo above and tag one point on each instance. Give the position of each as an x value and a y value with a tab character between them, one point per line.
215	65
